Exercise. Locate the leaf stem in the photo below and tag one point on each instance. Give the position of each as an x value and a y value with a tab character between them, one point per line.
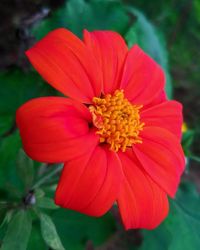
47	177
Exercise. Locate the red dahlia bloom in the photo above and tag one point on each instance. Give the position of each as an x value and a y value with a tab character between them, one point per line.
117	133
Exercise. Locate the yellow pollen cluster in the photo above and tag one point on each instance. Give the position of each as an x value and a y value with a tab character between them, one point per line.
117	120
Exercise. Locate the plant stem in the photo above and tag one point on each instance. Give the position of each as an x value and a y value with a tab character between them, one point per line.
47	177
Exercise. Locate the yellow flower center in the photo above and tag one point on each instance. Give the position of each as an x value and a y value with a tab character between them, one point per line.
117	120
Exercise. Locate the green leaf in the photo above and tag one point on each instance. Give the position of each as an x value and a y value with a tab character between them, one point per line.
6	123
9	148
18	232
76	229
77	15
187	140
46	202
151	41
180	231
25	169
49	233
3	204
36	241
185	219
158	239
39	193
17	88
187	225
7	218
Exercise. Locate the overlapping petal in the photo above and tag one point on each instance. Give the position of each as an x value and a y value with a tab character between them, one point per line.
110	51
159	98
166	115
90	184
67	64
142	203
55	129
142	77
162	157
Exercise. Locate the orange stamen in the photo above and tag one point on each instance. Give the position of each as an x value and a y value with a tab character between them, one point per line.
117	120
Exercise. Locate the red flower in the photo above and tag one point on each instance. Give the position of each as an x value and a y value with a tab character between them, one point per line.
118	134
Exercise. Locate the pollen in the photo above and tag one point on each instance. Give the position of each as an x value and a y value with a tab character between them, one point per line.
117	120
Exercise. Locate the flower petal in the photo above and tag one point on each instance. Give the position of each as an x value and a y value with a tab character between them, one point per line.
110	51
142	78
67	64
159	98
142	203
162	157
166	115
90	184
55	129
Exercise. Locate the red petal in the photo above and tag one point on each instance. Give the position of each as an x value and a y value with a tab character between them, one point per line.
159	98
161	155
142	203
55	129
166	115
66	63
142	78
110	51
90	184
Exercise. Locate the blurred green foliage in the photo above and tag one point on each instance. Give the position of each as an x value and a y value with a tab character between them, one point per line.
29	219
181	229
77	15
